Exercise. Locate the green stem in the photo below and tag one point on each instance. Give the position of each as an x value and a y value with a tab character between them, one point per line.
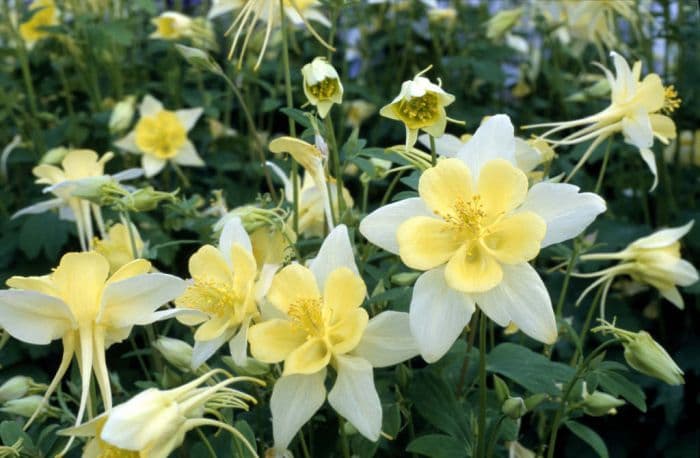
603	167
481	444
208	446
587	323
465	363
132	236
181	176
304	447
290	105
337	169
433	151
344	439
493	437
567	277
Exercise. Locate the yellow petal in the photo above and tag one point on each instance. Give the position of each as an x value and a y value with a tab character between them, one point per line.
272	341
425	243
81	163
244	268
662	126
131	269
343	292
516	238
41	284
443	185
472	269
304	153
211	329
79	280
311	357
650	93
502	187
346	334
209	263
48	174
290	284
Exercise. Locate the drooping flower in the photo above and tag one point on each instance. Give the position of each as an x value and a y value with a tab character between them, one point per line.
118	248
225	288
161	136
636	111
653	260
80	169
122	114
44	14
319	321
420	105
171	25
473	230
322	85
154	422
89	310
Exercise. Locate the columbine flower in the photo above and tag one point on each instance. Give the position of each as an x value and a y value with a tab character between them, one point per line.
322	85
358	111
473	229
161	136
46	15
117	247
653	260
297	11
319	321
171	25
635	111
154	422
420	105
88	309
224	288
80	170
122	114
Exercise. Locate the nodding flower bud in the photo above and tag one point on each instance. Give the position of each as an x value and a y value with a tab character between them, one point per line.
122	114
176	352
597	403
502	391
322	85
18	387
514	408
27	406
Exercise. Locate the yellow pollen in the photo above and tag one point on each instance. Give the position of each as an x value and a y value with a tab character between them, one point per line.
419	110
468	215
211	297
110	451
324	90
307	316
671	100
160	135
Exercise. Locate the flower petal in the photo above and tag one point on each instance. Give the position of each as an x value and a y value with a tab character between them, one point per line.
310	357
494	139
347	332
650	161
523	295
204	349
637	130
150	106
233	232
516	238
344	291
442	186
128	143
188	117
33	317
152	165
380	226
664	237
208	263
335	252
502	187
354	396
472	269
387	340
566	212
272	341
425	242
187	155
290	284
437	316
295	399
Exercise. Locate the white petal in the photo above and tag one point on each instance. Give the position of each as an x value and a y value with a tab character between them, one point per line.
187	155
40	207
204	349
637	129
152	165
446	145
128	143
494	139
664	237
186	316
233	232
33	317
650	161
684	273
354	396
295	399
150	106
438	314
128	174
133	301
674	296
525	298
288	187
387	340
335	252
566	211
380	226
189	117
238	346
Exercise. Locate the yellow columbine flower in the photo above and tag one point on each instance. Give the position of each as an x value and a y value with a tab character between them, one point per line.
358	111
46	15
322	85
161	136
80	169
80	303
653	260
224	289
636	111
117	247
154	422
171	25
420	105
319	321
474	228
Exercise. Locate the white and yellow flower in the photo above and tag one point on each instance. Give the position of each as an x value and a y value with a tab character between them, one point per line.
160	136
474	229
420	105
636	111
322	85
171	25
319	321
225	287
44	14
117	246
89	310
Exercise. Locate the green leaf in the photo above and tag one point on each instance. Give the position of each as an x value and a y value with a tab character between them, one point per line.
435	401
297	115
619	385
528	369
589	436
439	446
43	232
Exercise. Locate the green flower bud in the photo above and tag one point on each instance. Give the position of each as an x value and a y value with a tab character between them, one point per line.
597	404
536	399
502	391
54	155
644	354
122	115
404	278
17	387
146	199
176	352
514	408
26	406
502	22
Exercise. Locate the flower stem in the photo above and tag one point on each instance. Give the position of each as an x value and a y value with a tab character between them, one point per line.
290	105
603	167
433	151
567	277
337	169
481	444
493	437
344	439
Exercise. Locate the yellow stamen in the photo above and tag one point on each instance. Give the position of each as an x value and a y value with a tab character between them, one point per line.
161	135
671	99
324	90
307	316
211	297
419	110
468	216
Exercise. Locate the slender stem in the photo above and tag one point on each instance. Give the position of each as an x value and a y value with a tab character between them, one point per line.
587	324
181	176
433	151
481	445
304	447
337	169
599	183
567	277
208	446
132	235
344	439
470	344
493	437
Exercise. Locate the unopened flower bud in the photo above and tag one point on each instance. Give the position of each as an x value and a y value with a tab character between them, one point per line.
122	115
146	199
176	352
597	404
54	155
404	278
514	408
503	22
25	407
533	401
502	391
17	387
644	354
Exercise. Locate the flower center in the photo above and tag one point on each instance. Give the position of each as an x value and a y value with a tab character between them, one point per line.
671	99
111	451
469	217
211	297
160	135
419	110
324	90
307	316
